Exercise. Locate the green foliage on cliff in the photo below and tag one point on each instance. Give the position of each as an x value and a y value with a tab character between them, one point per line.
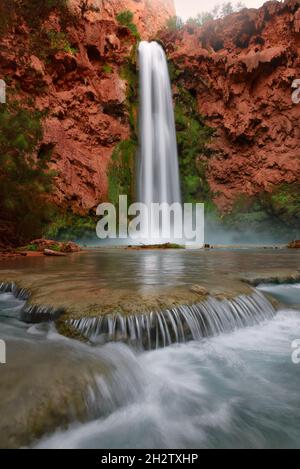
71	227
126	19
121	172
129	74
283	202
25	180
276	213
192	138
107	68
58	41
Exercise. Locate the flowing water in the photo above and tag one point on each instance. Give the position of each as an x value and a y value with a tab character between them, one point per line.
182	323
158	173
236	388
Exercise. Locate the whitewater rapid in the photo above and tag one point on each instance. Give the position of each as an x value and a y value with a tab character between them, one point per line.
237	390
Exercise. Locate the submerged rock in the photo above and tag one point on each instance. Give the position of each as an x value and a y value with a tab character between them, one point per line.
157	246
199	289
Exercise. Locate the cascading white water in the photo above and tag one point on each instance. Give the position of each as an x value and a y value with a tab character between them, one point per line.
158	173
180	324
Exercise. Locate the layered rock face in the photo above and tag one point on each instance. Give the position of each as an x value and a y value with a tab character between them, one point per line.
150	16
240	70
81	88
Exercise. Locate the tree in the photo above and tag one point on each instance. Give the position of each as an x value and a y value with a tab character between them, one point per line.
219	11
174	23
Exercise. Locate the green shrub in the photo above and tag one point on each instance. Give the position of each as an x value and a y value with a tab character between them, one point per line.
31	247
107	68
126	19
58	41
69	226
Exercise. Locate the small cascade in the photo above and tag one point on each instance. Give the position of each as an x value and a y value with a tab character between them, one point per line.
30	313
153	330
11	287
37	313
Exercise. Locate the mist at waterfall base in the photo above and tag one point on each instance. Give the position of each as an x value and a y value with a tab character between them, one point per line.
271	231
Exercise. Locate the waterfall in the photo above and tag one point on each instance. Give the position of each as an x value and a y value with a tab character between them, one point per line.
158	172
157	329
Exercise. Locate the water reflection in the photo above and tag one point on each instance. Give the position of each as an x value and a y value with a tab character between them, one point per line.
137	270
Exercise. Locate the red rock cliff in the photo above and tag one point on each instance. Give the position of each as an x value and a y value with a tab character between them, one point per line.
82	92
241	71
149	15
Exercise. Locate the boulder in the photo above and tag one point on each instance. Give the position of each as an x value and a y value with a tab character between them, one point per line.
294	244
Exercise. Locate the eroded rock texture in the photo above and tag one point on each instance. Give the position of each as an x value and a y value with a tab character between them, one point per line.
150	16
241	70
81	88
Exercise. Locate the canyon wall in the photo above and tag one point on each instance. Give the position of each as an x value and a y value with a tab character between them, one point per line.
240	70
75	71
150	16
78	68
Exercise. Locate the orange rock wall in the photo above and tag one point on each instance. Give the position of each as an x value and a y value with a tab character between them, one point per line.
241	71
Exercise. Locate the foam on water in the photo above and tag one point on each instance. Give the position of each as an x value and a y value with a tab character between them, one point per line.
234	390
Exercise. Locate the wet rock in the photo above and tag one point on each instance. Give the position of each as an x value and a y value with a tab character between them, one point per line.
49	252
157	246
53	390
294	244
53	247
